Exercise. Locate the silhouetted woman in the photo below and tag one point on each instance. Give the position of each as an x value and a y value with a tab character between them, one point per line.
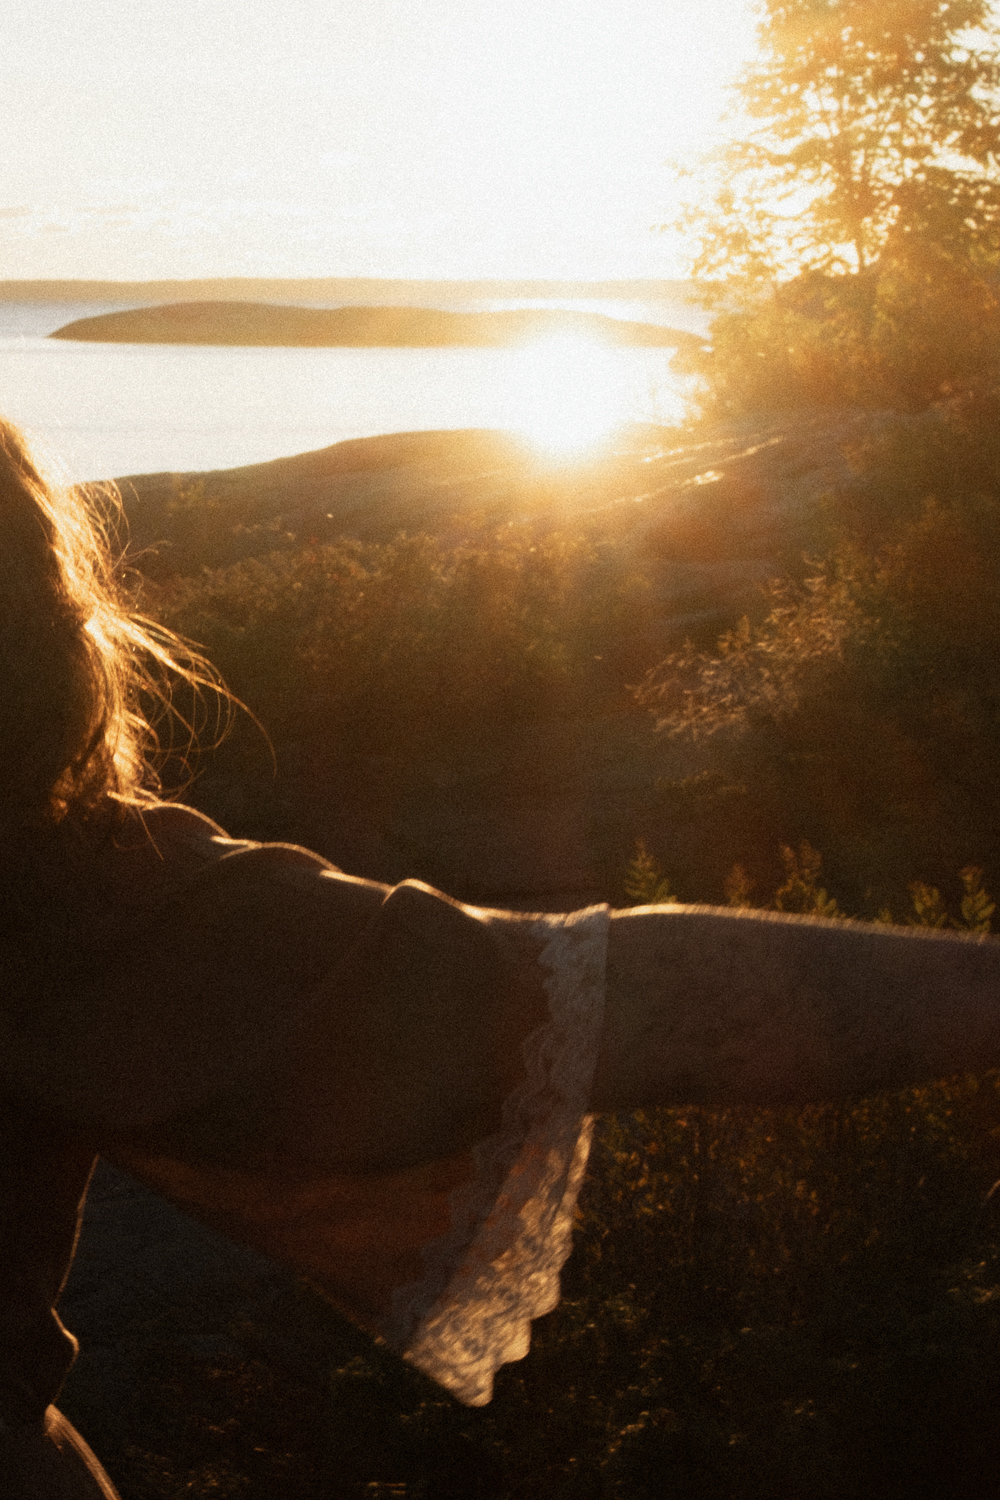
385	1089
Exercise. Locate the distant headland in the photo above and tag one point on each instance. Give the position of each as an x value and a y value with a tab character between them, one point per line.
337	289
263	323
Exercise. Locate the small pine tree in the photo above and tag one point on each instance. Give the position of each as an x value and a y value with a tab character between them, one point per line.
802	891
645	882
738	887
977	906
929	909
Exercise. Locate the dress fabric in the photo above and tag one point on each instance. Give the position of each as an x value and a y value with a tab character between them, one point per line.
511	1225
448	1261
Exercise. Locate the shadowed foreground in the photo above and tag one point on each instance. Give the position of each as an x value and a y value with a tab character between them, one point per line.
757	1307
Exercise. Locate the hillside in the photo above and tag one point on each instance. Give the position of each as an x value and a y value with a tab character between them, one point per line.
854	1249
261	323
533	801
712	517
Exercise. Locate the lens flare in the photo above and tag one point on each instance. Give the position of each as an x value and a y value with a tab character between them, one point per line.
569	393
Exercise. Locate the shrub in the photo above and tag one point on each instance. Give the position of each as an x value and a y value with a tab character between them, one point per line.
381	671
920	330
863	712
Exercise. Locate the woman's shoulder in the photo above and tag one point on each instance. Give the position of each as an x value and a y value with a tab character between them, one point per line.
179	841
165	848
176	977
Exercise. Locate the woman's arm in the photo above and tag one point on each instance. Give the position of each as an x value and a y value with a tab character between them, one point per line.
710	1006
371	1029
410	1051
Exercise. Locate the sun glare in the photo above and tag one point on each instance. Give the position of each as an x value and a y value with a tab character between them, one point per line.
569	393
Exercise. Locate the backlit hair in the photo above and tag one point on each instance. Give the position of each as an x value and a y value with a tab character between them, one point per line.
81	676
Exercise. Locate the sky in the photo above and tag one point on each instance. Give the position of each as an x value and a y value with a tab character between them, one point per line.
148	139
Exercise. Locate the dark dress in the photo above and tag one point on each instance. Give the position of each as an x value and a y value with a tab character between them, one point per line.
152	1030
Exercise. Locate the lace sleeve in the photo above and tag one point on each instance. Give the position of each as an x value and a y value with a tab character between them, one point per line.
511	1224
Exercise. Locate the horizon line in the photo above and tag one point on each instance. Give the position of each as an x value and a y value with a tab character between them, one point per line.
13	288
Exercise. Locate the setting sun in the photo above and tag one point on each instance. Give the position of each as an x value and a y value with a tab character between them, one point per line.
569	393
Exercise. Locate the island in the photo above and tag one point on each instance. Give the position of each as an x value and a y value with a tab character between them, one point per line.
272	324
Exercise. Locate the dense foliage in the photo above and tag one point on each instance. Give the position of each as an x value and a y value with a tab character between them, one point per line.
862	713
853	229
920	330
864	128
387	673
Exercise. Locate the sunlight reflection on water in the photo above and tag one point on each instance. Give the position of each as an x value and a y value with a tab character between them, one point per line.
100	410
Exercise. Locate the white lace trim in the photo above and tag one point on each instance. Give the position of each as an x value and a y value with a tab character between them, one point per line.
512	1223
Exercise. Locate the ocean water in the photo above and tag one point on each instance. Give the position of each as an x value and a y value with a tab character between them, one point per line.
97	411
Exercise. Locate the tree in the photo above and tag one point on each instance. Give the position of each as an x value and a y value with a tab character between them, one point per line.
870	124
856	220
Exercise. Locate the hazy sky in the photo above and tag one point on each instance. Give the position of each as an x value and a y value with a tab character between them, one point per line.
157	138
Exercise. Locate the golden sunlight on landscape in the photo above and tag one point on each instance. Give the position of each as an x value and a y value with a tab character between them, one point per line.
569	393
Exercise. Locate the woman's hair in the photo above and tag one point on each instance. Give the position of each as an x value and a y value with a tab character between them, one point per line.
83	679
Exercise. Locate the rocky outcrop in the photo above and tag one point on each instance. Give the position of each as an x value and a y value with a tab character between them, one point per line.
710	516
